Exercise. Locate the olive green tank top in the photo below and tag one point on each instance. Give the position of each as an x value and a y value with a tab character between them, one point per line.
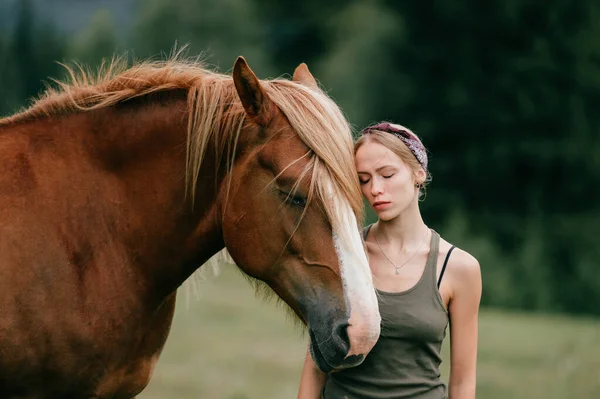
405	361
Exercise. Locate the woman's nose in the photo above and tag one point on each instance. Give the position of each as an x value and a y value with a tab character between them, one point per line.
376	187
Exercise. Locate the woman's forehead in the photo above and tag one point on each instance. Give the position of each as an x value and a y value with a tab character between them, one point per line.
372	155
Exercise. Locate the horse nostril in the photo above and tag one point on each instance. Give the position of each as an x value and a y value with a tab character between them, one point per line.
340	336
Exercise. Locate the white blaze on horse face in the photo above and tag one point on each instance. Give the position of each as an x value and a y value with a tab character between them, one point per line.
364	322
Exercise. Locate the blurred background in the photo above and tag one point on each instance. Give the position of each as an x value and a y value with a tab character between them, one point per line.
502	93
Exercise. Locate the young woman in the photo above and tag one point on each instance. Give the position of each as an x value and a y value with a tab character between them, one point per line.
423	283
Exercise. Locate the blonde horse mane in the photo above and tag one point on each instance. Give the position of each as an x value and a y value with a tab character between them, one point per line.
215	113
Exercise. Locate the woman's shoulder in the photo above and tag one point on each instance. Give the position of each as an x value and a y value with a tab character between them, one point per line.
461	266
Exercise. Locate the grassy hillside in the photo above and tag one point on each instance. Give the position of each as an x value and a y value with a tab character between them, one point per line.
229	344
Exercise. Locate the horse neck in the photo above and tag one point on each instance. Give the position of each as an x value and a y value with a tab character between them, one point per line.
139	152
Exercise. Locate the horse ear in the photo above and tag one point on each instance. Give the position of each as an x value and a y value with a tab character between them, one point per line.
303	76
255	100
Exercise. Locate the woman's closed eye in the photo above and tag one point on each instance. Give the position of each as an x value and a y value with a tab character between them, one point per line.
387	176
363	178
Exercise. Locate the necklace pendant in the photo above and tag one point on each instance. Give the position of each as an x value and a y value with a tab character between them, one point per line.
397	270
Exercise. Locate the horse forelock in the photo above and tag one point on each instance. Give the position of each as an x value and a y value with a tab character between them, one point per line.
321	125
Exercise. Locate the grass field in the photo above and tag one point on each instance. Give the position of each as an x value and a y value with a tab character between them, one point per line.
228	344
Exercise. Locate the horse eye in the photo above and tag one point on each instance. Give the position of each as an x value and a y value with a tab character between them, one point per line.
298	201
293	199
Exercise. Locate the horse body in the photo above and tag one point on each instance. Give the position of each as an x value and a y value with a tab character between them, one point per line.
90	278
96	235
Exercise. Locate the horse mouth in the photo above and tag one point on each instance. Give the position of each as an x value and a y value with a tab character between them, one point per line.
317	355
326	366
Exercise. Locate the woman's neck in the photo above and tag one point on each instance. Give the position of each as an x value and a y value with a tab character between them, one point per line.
404	231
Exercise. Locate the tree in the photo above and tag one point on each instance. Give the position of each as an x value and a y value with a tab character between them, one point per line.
29	58
97	42
220	31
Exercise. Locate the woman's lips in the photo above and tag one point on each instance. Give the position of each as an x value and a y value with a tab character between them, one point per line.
381	205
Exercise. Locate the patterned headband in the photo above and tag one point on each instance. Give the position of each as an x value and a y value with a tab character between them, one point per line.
408	138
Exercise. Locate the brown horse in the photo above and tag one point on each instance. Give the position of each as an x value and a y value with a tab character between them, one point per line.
114	190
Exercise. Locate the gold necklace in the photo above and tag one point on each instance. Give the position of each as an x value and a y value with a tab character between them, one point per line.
406	261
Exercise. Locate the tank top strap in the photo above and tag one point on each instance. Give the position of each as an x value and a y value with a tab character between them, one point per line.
431	265
366	231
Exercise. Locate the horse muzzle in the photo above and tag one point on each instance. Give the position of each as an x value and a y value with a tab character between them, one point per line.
343	345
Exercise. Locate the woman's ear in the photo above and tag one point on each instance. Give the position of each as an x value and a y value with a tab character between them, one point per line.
419	177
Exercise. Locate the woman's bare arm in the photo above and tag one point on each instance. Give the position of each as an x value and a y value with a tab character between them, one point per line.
312	379
464	314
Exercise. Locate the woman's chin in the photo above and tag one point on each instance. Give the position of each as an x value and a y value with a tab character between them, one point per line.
385	214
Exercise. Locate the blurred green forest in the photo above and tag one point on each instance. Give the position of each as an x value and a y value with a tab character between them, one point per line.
502	93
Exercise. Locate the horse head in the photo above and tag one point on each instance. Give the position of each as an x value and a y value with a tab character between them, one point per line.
289	214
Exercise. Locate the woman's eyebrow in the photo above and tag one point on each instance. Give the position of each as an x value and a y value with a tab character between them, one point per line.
380	168
384	167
